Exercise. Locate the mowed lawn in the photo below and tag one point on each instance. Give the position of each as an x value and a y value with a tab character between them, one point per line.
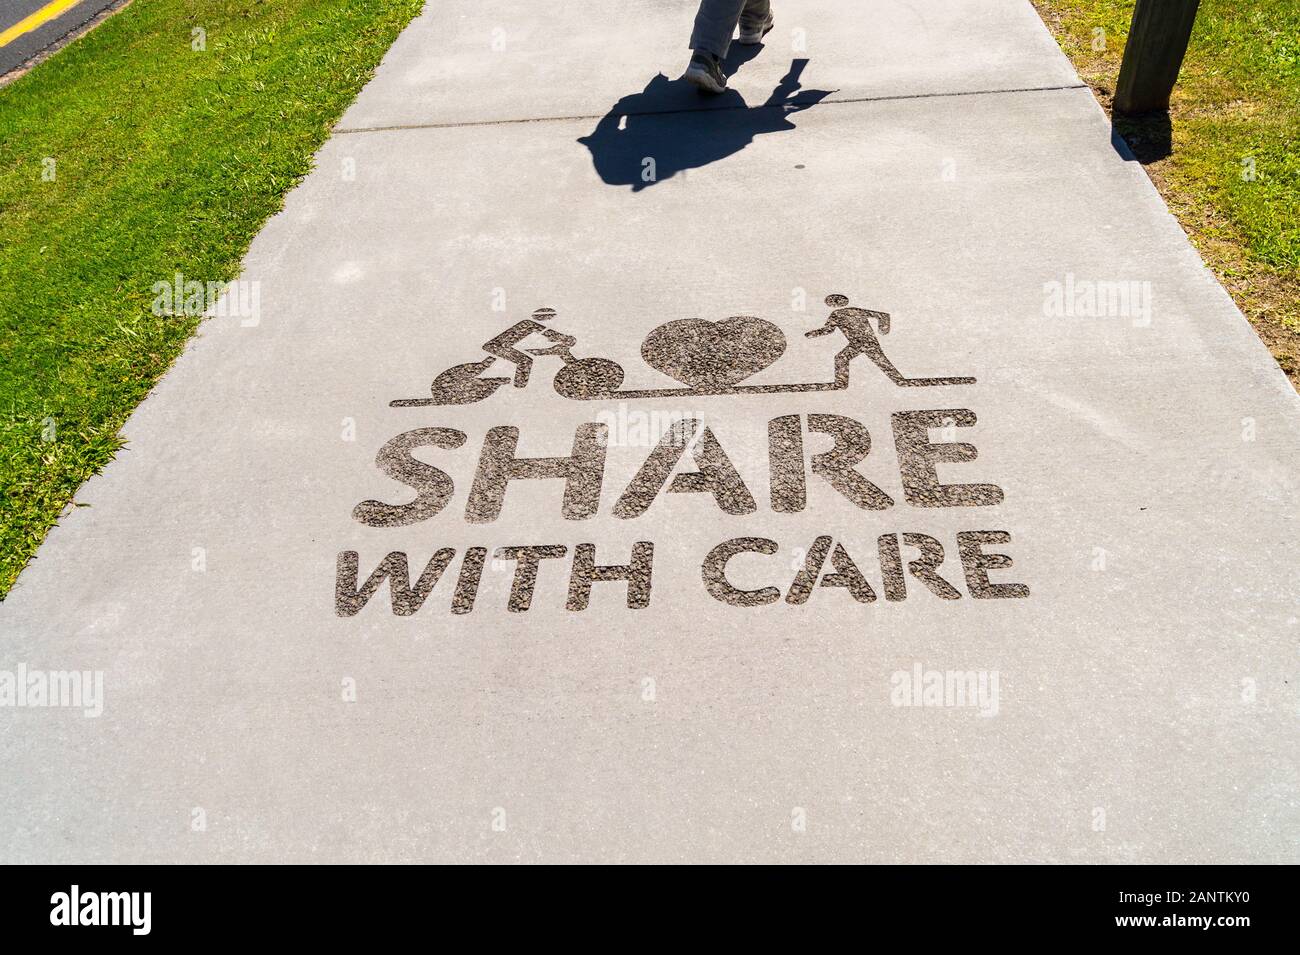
158	143
1233	177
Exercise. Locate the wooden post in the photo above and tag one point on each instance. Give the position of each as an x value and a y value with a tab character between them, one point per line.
1157	40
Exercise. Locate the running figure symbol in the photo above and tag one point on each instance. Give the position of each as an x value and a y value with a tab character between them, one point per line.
855	323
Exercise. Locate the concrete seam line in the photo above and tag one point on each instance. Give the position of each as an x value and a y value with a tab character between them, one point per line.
713	109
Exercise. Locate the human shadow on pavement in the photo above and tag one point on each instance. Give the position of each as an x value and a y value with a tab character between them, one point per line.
651	136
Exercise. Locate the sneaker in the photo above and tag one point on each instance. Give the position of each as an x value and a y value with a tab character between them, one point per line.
705	71
753	33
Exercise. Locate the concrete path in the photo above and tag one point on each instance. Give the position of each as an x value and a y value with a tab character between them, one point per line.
701	587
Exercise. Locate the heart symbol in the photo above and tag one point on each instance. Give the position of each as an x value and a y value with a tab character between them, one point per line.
708	355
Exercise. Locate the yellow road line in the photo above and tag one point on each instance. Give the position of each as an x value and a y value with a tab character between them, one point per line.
29	23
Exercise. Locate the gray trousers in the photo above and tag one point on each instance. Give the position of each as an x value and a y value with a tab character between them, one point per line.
717	20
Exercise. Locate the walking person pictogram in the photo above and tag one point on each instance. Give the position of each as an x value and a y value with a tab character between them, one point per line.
855	323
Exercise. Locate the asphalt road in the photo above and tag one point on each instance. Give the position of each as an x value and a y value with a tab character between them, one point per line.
29	28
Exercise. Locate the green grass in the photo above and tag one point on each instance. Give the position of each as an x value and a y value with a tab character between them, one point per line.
166	159
1235	110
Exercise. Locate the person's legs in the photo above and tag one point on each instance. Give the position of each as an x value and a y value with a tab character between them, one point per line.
755	21
711	38
715	23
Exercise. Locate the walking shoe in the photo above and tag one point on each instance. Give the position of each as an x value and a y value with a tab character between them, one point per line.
753	33
705	71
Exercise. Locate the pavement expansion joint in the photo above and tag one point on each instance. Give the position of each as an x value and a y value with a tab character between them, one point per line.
709	109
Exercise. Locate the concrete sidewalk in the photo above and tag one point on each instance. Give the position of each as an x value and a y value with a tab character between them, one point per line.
692	585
